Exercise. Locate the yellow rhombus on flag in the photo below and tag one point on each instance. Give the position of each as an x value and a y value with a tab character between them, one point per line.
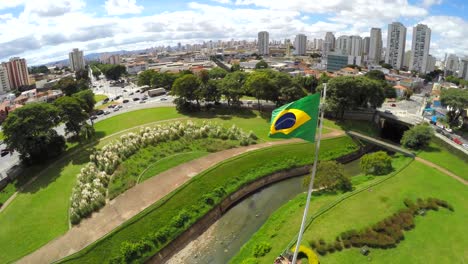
297	119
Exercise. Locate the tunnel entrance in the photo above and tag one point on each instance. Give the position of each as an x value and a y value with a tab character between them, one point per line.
392	130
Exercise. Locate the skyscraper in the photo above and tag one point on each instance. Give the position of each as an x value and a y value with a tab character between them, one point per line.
76	60
330	38
396	40
463	72
300	44
375	45
420	48
355	48
365	46
17	71
342	44
263	43
431	62
4	81
451	64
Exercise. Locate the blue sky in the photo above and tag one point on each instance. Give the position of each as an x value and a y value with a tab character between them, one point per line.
46	30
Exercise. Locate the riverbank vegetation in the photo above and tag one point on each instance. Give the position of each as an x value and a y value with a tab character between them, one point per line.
167	218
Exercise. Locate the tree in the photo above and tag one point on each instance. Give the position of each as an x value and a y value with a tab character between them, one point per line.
39	69
261	86
386	66
217	73
261	65
408	93
309	83
210	91
68	86
453	79
389	91
292	93
315	55
86	99
145	77
375	75
30	131
235	67
72	114
112	71
330	176
204	76
377	163
417	137
82	75
187	88
232	86
457	99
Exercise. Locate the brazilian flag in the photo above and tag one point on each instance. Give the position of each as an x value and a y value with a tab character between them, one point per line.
297	119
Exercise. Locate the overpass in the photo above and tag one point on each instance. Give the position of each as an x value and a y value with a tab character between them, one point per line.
381	143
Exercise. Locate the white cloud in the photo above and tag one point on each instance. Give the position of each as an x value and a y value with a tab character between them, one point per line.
4	4
121	7
223	1
428	3
47	30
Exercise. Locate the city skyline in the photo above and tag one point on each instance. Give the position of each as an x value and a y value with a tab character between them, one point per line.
46	31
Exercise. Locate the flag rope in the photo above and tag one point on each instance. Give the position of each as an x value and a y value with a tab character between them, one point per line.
314	170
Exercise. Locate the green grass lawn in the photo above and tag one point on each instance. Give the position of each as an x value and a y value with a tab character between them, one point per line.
439	237
230	174
99	97
441	154
55	185
365	127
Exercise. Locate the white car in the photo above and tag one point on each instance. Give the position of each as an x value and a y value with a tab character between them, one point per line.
448	129
465	146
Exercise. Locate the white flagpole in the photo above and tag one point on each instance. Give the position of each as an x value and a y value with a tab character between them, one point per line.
314	169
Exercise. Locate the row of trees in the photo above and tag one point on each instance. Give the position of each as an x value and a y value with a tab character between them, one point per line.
457	99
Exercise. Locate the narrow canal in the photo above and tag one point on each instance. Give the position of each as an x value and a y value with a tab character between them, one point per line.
226	236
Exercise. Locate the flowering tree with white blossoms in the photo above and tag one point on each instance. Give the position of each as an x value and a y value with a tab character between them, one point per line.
89	194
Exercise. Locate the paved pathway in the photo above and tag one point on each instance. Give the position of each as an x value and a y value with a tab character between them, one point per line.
439	168
134	200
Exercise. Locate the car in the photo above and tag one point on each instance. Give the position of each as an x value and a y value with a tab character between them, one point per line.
393	105
440	126
111	106
93	117
116	109
105	100
438	130
136	99
125	101
142	101
99	112
448	129
125	91
117	97
163	99
458	141
131	93
106	112
142	91
388	112
137	91
119	106
465	146
144	97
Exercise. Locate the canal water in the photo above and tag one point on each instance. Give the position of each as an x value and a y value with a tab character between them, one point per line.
225	238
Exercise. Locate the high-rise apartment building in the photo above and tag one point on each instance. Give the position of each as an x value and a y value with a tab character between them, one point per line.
330	38
451	64
396	40
431	62
355	48
420	48
407	59
114	59
342	44
365	46
375	45
319	44
263	43
17	71
300	44
76	60
463	72
4	81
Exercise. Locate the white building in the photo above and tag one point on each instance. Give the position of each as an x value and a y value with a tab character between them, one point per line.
342	44
330	38
451	63
365	46
407	58
300	44
76	60
263	43
375	45
396	40
318	44
420	48
431	62
4	81
355	48
463	72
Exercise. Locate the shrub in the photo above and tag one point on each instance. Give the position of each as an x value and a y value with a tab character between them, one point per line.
417	137
208	198
261	249
250	261
322	249
180	219
377	163
313	244
338	246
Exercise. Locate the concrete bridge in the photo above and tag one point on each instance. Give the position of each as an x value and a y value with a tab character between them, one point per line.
381	143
